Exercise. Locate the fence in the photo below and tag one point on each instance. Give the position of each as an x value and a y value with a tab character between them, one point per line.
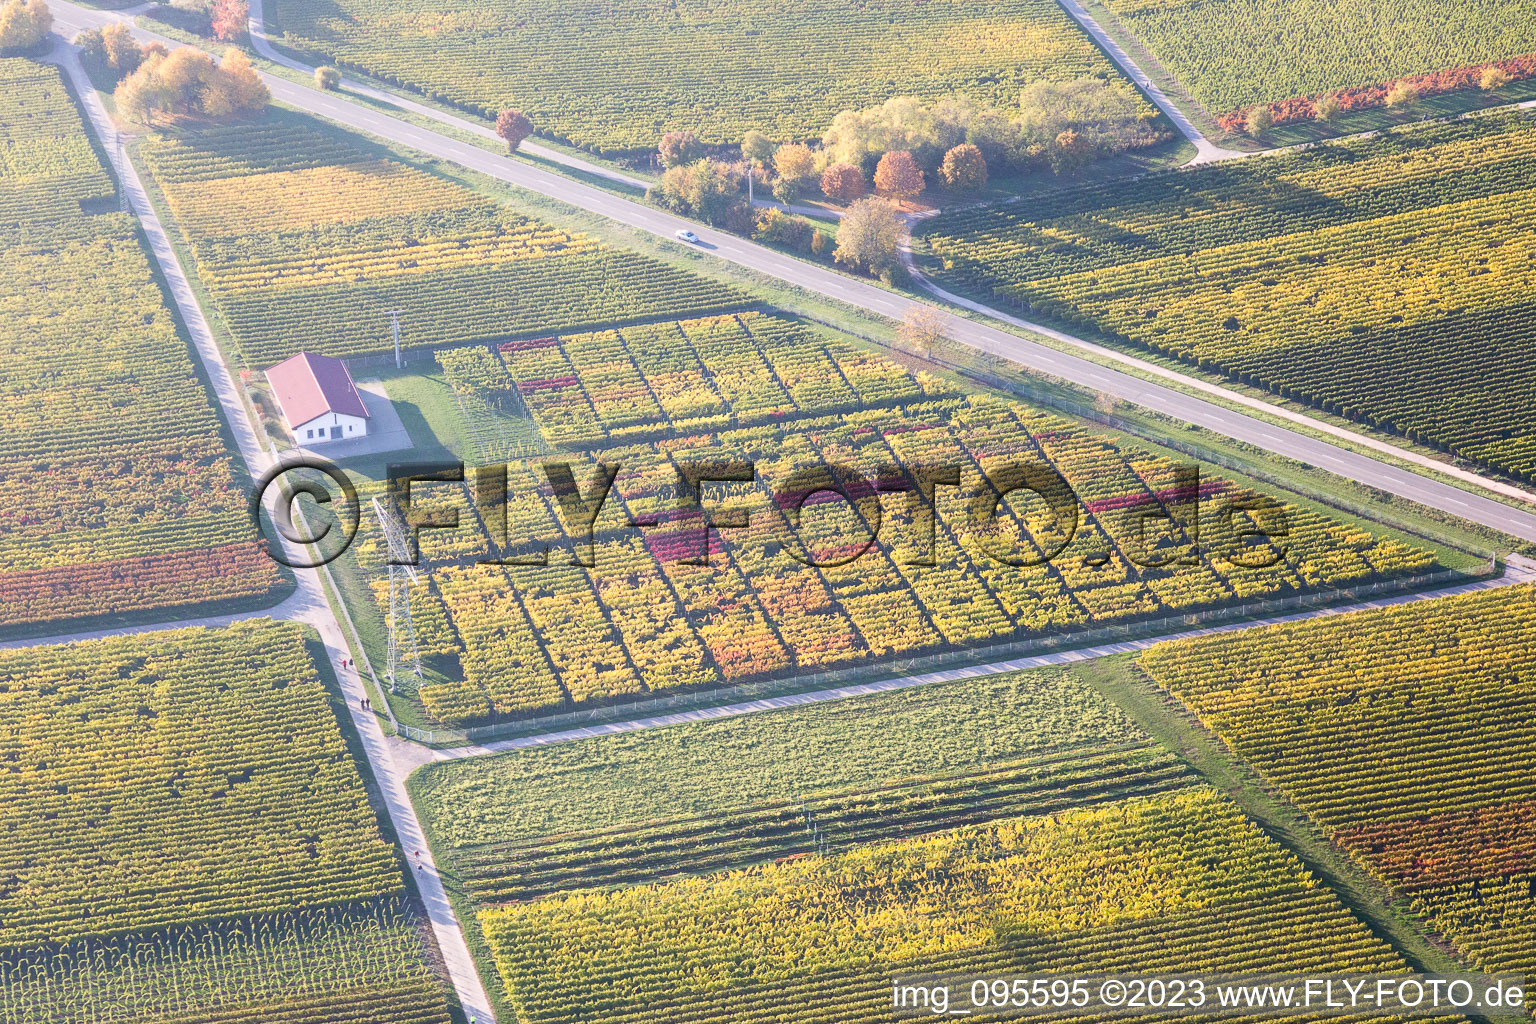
1062	642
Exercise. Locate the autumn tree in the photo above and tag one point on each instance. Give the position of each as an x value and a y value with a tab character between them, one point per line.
142	95
512	127
93	50
897	174
964	169
187	81
1402	95
24	24
186	75
780	228
1494	77
1260	120
869	235
705	189
1327	108
327	78
922	328
679	148
843	183
239	85
228	18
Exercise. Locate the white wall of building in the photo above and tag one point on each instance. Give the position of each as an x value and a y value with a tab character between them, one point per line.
322	429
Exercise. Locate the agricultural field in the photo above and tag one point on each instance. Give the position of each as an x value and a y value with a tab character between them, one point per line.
188	839
1232	54
517	640
308	239
1386	280
615	76
117	492
864	769
1013	822
1405	735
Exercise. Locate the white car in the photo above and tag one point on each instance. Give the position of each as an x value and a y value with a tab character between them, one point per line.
688	236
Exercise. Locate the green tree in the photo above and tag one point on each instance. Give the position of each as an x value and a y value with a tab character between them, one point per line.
1260	120
1327	108
869	236
757	147
705	189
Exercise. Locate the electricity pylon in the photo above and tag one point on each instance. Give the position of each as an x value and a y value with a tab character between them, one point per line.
402	629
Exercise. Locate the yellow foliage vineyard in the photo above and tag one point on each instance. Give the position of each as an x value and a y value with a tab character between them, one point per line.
116	492
308	238
640	68
1143	884
1406	734
1387	280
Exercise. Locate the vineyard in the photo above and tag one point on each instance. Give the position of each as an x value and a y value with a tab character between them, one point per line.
641	68
512	640
116	491
1405	734
188	839
360	965
1235	53
308	240
864	769
671	379
1386	280
1144	884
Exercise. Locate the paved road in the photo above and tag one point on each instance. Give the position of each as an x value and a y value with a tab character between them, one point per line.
872	298
1206	151
308	604
1519	571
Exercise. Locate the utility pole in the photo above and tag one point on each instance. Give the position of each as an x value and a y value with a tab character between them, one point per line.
394	323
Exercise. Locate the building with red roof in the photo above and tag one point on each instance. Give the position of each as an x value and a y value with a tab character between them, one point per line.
318	399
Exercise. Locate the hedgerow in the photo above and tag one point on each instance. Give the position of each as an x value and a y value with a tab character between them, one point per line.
1386	280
